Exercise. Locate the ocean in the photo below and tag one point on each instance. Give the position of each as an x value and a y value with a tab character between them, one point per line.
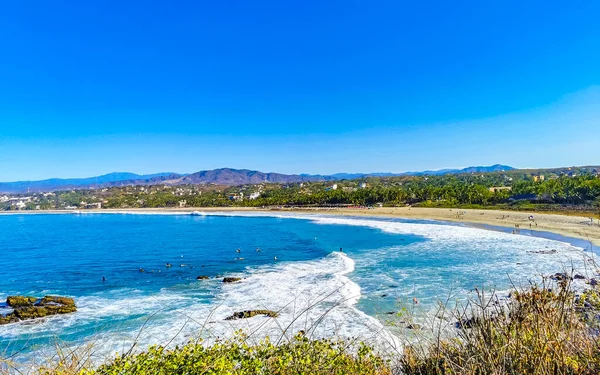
299	271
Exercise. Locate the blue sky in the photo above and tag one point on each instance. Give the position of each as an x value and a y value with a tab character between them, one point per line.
91	87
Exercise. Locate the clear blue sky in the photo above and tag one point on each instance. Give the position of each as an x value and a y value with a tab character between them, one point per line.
91	87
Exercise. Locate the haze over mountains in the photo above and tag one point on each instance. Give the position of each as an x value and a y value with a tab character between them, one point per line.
221	176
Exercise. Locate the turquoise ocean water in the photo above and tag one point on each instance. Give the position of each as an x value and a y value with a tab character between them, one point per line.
384	265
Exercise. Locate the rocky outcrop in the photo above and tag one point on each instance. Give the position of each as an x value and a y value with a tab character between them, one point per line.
26	307
231	279
202	277
250	313
20	301
561	276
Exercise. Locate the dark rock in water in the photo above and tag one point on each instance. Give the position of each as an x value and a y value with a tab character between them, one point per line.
202	277
467	322
384	295
391	312
553	251
593	282
561	277
579	277
250	313
20	301
30	312
50	300
231	279
10	318
413	326
26	308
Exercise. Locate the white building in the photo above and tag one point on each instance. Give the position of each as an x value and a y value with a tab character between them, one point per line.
334	186
254	195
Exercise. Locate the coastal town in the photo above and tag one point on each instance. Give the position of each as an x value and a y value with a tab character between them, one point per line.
570	189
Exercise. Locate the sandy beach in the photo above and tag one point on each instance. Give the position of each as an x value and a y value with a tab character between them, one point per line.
570	226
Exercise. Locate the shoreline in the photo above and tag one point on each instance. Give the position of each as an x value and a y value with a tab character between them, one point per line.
578	227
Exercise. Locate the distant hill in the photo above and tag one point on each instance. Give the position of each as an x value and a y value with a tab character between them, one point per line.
229	176
492	168
222	176
111	179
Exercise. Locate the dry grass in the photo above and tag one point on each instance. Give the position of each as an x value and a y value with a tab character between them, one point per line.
541	331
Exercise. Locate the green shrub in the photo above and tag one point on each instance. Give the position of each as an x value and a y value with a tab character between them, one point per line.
300	356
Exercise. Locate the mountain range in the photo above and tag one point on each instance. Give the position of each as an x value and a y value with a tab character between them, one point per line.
221	176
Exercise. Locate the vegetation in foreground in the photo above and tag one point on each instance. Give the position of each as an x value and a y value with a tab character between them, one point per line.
235	356
541	331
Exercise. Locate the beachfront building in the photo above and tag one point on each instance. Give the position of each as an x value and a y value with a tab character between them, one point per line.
538	178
